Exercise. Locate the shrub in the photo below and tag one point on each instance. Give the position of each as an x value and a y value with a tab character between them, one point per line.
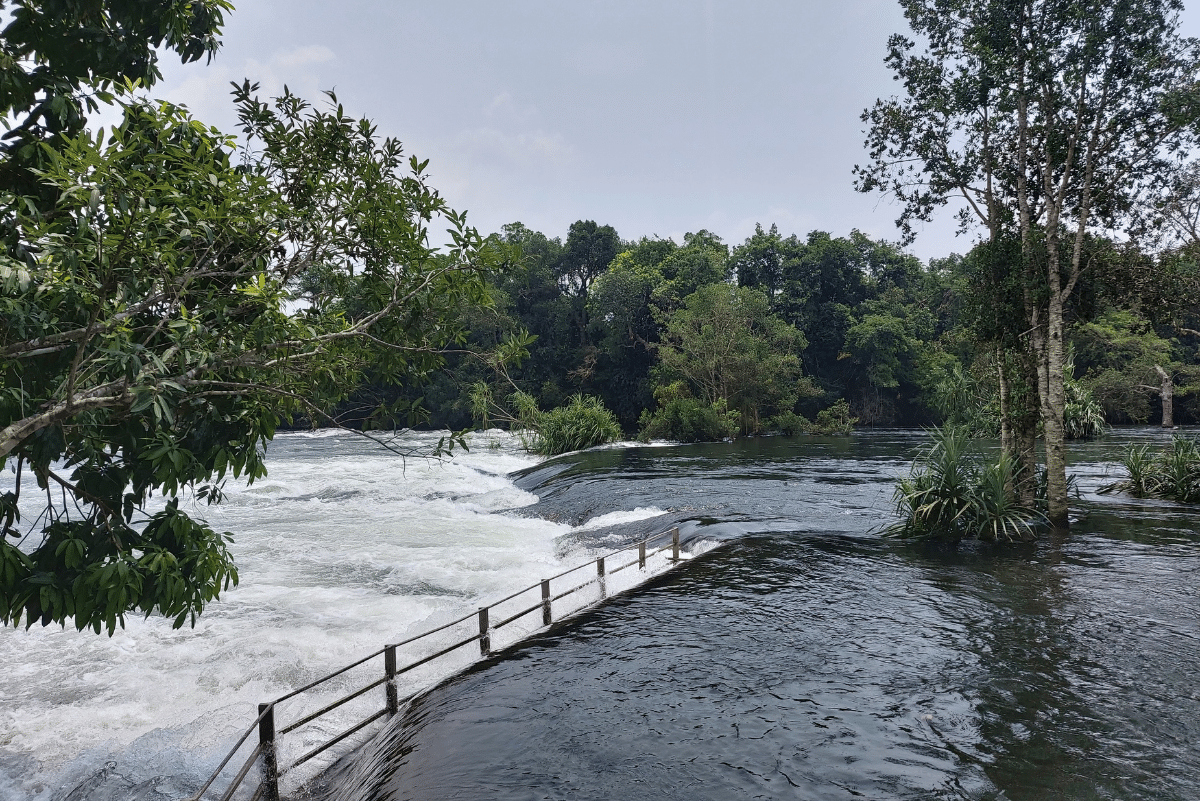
952	495
1083	417
582	423
790	424
682	418
1173	473
834	421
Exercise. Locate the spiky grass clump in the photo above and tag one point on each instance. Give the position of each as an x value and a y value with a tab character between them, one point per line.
1083	417
582	423
951	495
1172	472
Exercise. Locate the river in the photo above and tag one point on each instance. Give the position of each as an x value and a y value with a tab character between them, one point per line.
805	657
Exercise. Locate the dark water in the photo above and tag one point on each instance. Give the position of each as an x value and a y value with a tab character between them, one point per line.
809	658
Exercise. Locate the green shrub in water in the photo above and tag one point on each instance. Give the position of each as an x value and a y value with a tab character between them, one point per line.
582	423
1172	473
790	424
834	421
682	418
1083	417
952	495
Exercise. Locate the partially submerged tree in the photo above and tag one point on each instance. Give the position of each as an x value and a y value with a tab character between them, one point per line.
170	308
1047	120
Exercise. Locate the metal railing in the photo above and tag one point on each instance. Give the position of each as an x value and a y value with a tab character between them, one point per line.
266	751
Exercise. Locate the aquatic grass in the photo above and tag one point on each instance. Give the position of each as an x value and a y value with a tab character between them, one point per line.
582	423
998	515
1138	463
951	495
1083	416
1171	473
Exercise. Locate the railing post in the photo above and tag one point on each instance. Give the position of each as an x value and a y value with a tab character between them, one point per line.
389	669
600	576
675	544
546	602
266	739
485	638
642	555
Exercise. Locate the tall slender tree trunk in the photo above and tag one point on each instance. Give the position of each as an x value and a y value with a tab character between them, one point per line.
1167	393
1053	407
1026	412
1007	443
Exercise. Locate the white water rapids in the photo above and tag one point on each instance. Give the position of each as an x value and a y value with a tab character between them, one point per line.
342	548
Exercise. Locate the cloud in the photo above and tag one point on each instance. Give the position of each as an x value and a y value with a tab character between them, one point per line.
511	138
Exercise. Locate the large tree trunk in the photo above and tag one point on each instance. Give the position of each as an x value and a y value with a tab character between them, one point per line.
1026	413
1167	393
1052	410
1019	415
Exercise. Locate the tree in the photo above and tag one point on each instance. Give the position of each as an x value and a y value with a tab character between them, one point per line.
588	251
147	346
1044	118
1125	362
61	58
725	343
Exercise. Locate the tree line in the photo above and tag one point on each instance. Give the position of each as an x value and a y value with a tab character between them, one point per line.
701	340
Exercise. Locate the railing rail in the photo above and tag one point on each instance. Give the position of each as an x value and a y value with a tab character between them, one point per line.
266	753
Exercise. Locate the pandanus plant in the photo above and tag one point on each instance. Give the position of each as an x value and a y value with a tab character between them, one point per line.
1172	473
951	494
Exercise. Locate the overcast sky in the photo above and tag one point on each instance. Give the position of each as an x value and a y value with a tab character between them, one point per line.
658	117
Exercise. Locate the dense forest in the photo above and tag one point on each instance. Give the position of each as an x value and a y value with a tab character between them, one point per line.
701	340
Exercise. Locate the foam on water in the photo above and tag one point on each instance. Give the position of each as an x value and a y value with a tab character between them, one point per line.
344	547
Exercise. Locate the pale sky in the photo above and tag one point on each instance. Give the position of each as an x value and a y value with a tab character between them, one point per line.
657	117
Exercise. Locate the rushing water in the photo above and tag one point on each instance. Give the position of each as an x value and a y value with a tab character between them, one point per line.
806	657
809	658
342	548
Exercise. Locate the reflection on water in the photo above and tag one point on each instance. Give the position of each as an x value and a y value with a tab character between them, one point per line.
808	658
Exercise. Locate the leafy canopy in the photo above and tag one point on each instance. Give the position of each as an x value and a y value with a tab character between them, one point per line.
171	307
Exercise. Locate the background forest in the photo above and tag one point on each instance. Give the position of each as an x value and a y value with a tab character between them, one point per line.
701	340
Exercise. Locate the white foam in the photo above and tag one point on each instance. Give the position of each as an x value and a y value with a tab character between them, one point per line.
621	517
342	548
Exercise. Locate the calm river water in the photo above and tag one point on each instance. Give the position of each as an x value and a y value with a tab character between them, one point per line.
808	658
805	658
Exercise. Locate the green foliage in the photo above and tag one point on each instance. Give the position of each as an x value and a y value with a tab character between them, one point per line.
146	345
1083	418
1171	472
1116	353
790	424
951	494
834	421
727	346
582	423
964	404
683	418
63	58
